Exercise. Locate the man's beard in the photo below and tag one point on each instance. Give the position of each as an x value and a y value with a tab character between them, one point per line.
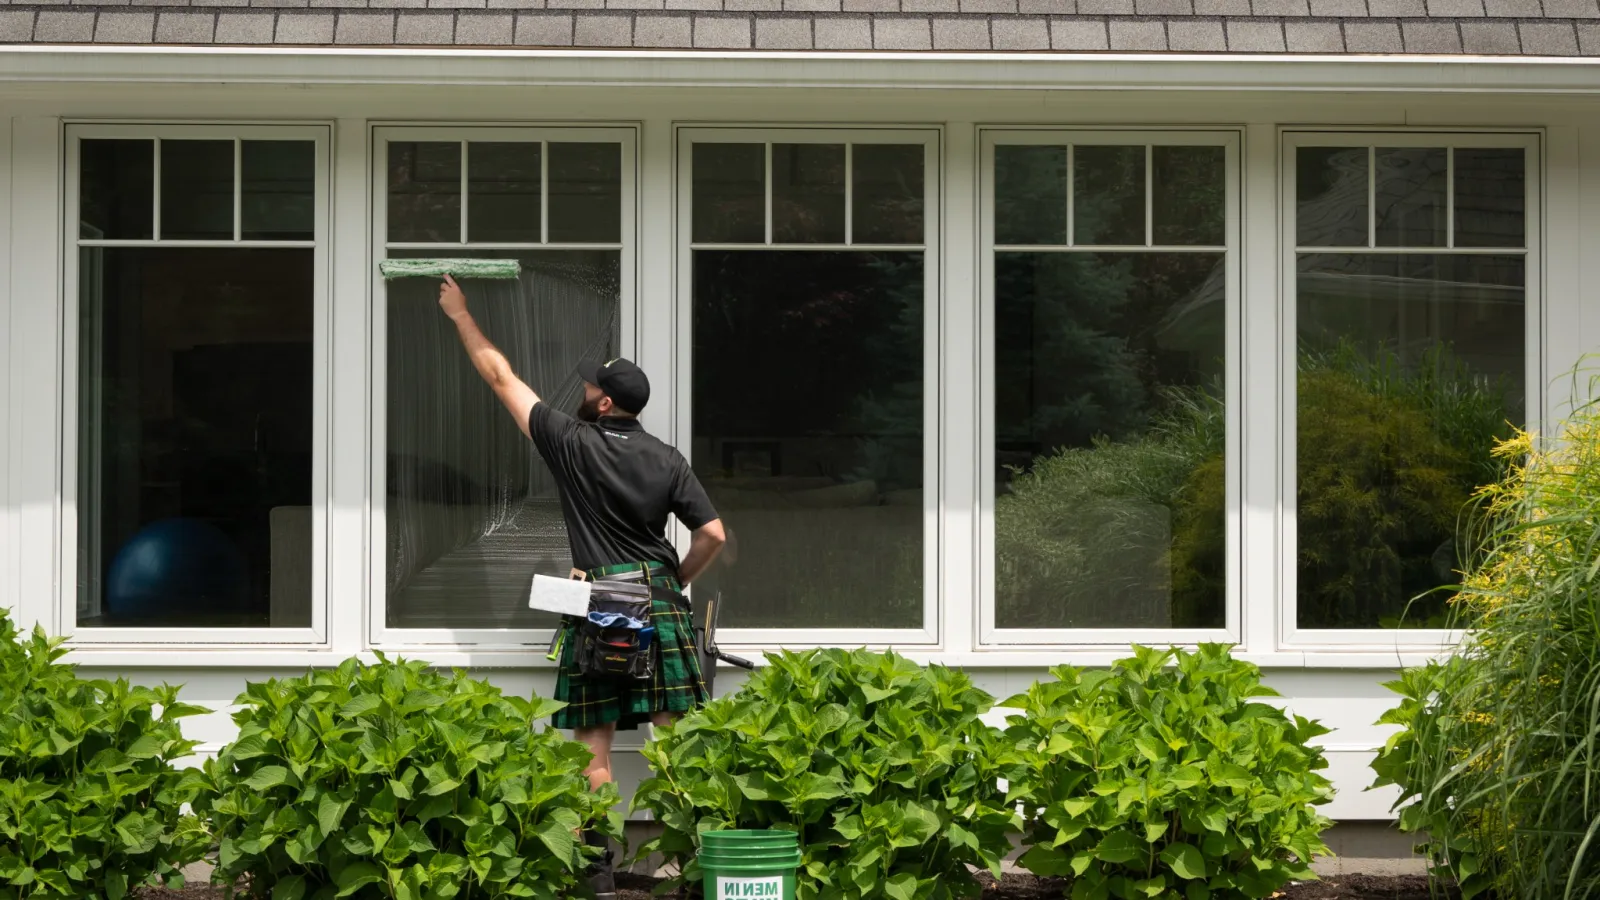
589	410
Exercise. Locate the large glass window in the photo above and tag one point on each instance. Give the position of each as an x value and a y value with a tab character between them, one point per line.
1411	307
1109	264
470	511
809	313
196	335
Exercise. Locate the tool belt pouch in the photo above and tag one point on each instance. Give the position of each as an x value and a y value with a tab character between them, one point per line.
617	639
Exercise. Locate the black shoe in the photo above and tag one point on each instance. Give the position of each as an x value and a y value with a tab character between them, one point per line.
601	873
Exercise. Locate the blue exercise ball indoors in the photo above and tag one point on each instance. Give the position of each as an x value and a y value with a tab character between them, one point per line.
176	565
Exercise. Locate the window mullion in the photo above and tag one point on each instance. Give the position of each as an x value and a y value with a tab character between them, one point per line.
238	190
1450	197
1372	196
1149	195
849	194
1072	180
465	237
155	202
767	204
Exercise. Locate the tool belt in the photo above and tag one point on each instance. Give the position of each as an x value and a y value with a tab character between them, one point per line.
617	638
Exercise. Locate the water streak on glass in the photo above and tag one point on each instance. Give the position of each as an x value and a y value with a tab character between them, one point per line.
472	511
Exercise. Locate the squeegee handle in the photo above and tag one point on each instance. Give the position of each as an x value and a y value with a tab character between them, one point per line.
736	661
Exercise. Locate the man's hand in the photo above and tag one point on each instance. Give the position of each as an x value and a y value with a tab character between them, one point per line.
451	298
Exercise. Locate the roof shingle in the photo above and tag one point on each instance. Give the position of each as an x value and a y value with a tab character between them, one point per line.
1479	27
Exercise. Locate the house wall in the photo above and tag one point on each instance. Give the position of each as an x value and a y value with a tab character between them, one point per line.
1341	685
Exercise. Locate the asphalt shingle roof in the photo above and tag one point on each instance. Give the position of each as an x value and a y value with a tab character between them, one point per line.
1483	27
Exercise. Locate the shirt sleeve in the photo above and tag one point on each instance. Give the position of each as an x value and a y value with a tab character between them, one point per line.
689	500
553	432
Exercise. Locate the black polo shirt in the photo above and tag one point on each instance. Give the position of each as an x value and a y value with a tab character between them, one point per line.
617	483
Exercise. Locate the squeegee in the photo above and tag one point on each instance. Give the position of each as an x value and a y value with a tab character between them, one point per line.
501	269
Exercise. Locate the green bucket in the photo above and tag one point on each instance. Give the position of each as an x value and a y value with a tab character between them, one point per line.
749	865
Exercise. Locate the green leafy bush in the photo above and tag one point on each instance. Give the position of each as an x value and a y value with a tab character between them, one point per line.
90	803
882	767
1464	842
393	780
1150	781
1497	758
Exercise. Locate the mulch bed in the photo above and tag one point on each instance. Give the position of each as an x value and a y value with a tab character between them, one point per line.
1027	887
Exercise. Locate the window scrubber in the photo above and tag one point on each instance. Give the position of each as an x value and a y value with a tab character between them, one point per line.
502	269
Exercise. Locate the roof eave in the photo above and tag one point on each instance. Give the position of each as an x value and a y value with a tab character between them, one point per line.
91	64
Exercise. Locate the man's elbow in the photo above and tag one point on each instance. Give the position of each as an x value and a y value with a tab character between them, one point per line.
712	533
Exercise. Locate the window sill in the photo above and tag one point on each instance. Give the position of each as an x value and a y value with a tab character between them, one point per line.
235	657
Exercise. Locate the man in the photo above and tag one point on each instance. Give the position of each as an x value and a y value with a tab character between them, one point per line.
617	486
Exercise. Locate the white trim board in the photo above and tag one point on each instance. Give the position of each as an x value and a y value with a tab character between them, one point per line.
686	68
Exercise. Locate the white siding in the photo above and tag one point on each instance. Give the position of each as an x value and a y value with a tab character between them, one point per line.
1340	687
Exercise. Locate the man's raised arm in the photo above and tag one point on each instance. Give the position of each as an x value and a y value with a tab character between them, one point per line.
517	397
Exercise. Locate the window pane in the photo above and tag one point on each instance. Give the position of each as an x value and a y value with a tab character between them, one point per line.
730	193
197	190
503	180
1491	198
1331	197
586	193
1410	192
425	192
471	510
1030	195
194	437
1189	195
1111	484
808	193
117	190
1108	196
886	203
817	476
278	191
1410	366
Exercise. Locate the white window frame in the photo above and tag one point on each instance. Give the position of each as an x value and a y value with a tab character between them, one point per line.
65	611
1292	636
990	636
381	635
934	426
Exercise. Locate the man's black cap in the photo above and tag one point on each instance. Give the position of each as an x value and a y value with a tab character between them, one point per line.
620	380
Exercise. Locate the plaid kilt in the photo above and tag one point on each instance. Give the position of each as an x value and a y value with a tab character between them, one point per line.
675	686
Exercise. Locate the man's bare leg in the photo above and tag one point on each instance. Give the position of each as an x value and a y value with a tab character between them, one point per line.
598	739
602	878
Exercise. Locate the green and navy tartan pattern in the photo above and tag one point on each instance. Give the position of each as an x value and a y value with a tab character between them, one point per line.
676	685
